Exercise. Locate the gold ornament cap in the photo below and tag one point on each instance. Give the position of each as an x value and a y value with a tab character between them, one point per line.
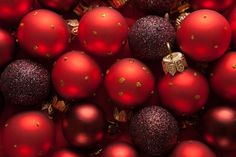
117	3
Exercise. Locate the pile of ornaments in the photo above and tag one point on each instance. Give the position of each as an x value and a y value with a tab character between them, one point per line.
117	78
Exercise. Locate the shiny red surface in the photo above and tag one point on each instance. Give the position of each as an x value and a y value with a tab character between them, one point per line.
218	5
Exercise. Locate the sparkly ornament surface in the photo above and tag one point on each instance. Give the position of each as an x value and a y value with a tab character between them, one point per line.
154	130
24	82
148	37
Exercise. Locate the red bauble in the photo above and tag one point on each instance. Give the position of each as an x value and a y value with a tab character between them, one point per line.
204	35
219	127
119	149
192	149
43	33
218	5
60	5
75	75
129	82
232	21
185	93
103	31
28	134
223	77
84	125
65	153
6	47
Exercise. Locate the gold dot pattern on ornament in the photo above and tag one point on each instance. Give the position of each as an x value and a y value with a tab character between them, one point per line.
35	47
107	72
95	33
52	26
204	16
152	92
6	125
139	84
123	42
234	66
197	97
65	58
131	61
62	83
15	146
216	46
192	37
119	24
37	124
120	93
86	77
121	80
195	74
22	24
103	15
35	13
17	40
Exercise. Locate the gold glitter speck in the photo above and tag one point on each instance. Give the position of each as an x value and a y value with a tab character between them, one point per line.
6	125
35	13
197	97
195	74
216	46
52	26
121	80
119	24
35	47
86	77
65	58
95	33
37	124
103	15
15	146
138	84
192	37
107	72
22	24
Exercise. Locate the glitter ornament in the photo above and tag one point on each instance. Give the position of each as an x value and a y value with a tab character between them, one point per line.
24	82
154	130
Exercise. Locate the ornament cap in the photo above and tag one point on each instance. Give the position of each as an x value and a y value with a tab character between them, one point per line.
117	3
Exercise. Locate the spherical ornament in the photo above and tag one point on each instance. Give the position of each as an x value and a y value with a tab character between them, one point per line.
28	134
119	149
218	5
6	47
154	130
65	153
13	11
129	82
219	127
84	125
43	33
103	31
204	35
192	149
59	5
232	21
185	93
75	75
24	82
148	37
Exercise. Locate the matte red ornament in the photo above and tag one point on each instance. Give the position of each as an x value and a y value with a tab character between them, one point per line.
223	77
129	82
103	31
84	125
6	47
204	35
59	5
218	5
43	33
119	149
219	127
65	153
185	93
28	134
192	149
232	21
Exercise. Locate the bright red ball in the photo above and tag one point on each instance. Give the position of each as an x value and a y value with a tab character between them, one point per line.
192	149
75	75
232	21
223	77
43	33
84	125
60	5
129	82
65	153
103	31
185	93
28	134
218	5
204	35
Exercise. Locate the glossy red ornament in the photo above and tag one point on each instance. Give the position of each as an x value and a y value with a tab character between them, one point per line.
84	125
60	5
75	75
192	149
219	127
43	33
185	93
232	21
28	134
218	5
204	35
103	31
65	153
6	47
223	77
119	149
129	82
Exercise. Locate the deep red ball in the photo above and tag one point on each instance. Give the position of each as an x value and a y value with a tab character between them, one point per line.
75	75
84	125
192	149
43	33
28	134
59	5
103	31
65	153
232	21
119	149
219	127
129	82
204	35
218	5
185	93
223	77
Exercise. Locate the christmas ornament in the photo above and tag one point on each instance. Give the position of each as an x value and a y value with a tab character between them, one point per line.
219	127
232	21
223	77
84	125
204	35
75	75
129	82
103	31
24	82
13	11
154	130
28	134
192	149
59	5
218	5
65	153
148	37
6	47
43	33
119	149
